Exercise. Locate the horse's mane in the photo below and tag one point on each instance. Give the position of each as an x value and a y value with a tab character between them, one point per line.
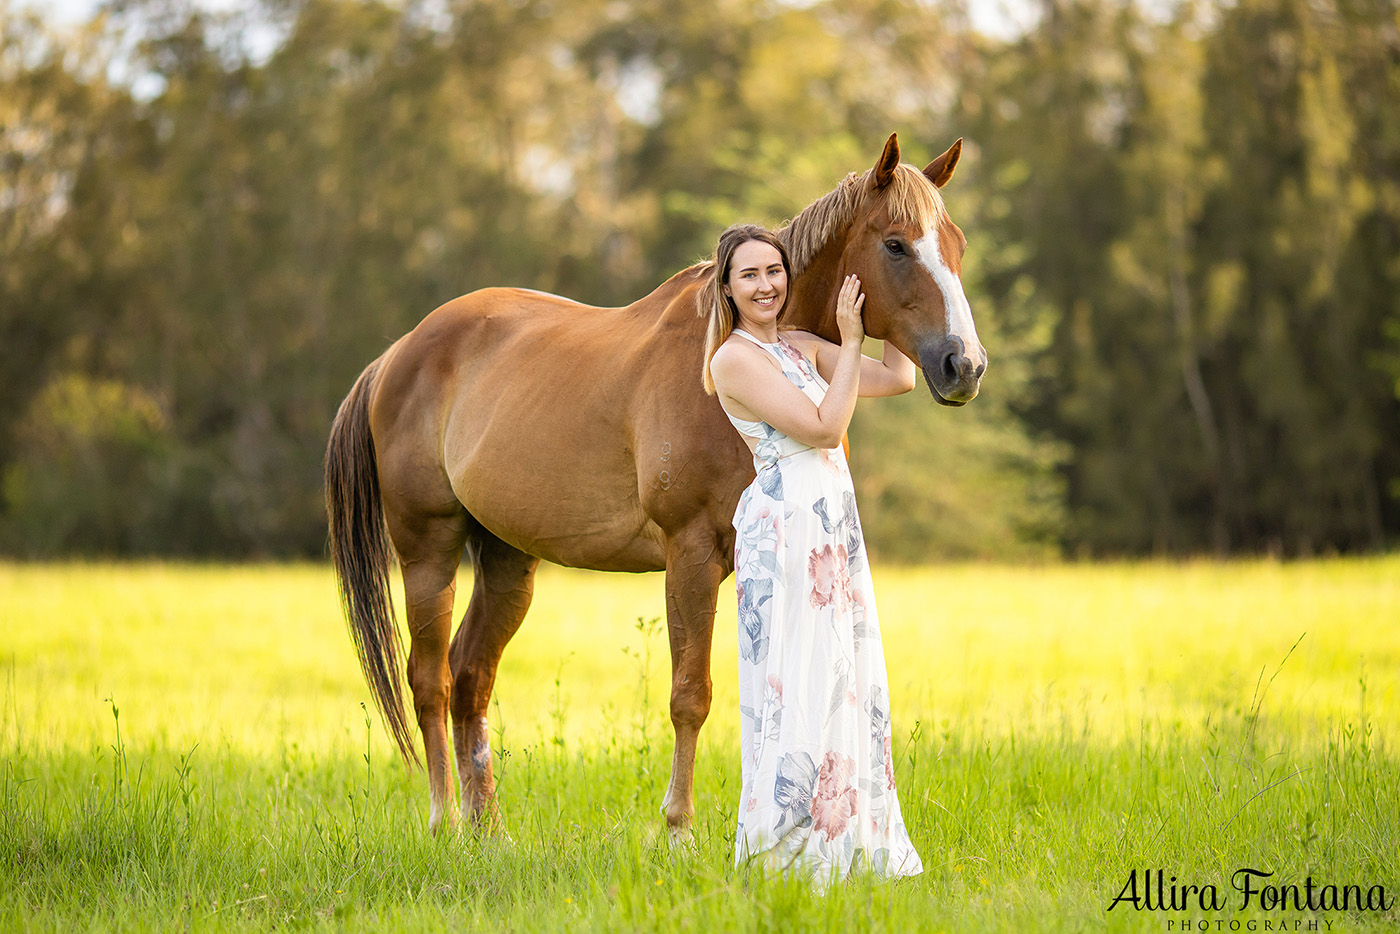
911	198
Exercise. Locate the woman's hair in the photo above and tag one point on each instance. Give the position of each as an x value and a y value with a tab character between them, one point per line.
718	307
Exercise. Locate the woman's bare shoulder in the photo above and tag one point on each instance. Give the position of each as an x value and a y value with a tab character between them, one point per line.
738	354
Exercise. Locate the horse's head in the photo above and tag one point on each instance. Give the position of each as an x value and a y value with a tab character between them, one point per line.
908	254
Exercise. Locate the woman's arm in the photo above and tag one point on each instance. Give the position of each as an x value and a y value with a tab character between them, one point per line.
750	385
889	376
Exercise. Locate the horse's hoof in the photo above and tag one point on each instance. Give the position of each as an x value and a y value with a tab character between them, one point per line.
444	825
681	839
485	824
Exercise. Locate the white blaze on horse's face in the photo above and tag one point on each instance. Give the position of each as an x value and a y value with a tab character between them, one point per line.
957	311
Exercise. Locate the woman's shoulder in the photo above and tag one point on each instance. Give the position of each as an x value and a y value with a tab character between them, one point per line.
734	345
737	352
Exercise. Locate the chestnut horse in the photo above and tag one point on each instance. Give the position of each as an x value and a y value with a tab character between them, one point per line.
521	426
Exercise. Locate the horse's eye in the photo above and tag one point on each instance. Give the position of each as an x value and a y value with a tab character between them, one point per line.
895	247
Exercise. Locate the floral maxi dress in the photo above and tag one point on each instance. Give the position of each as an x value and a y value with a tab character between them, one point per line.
818	795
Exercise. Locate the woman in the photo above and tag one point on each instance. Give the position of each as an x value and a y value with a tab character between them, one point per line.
818	793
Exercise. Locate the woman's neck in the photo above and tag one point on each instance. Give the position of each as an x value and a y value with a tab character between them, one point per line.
768	334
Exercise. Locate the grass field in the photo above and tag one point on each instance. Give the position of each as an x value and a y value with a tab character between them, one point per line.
187	747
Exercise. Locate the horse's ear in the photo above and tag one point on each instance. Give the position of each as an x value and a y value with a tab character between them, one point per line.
888	162
941	169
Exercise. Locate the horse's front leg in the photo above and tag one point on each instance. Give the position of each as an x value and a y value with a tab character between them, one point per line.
695	565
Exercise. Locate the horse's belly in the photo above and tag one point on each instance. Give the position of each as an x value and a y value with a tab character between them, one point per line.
574	518
581	541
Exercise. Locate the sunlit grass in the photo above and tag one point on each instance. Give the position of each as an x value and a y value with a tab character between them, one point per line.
187	747
242	656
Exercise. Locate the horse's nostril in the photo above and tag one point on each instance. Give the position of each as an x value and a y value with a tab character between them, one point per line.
951	367
981	368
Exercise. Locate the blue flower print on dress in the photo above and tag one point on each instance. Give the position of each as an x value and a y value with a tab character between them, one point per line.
770	481
844	525
792	791
753	623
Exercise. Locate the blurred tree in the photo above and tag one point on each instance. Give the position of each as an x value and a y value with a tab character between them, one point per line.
1304	414
87	478
1185	206
1048	112
1184	226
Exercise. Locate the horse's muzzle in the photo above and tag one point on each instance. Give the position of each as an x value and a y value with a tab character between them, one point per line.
953	375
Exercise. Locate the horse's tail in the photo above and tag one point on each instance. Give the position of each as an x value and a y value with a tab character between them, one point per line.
362	553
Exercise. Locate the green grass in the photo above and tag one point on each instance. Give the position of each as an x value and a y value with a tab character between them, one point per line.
188	748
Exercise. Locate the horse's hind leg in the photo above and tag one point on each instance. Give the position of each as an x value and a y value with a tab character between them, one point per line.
430	550
501	593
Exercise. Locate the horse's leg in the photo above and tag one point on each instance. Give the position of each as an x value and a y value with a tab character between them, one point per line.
695	565
501	593
430	550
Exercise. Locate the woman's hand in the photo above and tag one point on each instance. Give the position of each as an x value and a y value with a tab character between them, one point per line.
890	376
848	308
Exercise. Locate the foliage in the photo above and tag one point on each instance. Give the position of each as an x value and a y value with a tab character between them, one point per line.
1194	210
90	471
1183	224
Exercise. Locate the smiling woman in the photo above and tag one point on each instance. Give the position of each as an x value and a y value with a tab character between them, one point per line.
818	796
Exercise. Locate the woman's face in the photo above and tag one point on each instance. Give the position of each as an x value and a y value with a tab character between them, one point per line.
757	283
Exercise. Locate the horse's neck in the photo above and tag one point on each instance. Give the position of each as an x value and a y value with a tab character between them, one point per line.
813	300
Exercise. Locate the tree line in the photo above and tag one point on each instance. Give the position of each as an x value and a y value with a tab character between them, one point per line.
1183	225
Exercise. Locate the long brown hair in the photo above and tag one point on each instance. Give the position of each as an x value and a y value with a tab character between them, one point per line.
719	308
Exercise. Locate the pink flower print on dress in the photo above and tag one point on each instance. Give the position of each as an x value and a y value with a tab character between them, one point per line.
795	355
889	764
829	578
830	461
834	804
776	684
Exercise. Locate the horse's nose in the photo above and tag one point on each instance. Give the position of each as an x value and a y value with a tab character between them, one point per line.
956	365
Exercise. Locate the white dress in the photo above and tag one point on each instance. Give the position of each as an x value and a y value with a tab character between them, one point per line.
818	795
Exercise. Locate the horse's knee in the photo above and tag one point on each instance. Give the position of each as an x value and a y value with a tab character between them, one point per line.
432	690
690	703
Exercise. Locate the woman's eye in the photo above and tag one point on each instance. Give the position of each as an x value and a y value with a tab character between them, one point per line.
895	247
